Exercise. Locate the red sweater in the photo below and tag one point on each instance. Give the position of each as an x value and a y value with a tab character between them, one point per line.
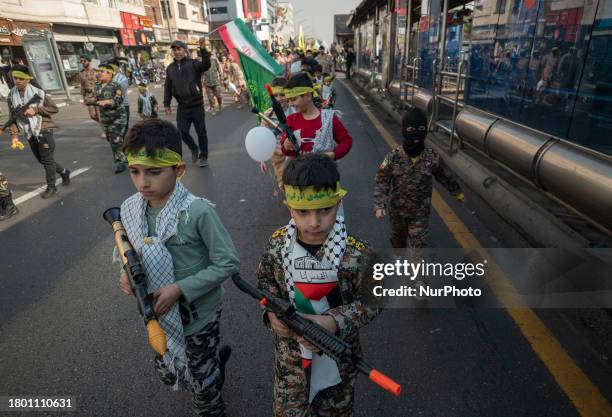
308	129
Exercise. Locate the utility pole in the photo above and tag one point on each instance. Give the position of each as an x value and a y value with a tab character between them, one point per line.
166	6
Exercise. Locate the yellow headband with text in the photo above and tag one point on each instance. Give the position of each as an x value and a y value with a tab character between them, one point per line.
307	198
278	90
298	91
163	158
21	74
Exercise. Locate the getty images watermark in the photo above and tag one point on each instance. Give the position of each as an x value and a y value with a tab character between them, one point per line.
419	271
489	278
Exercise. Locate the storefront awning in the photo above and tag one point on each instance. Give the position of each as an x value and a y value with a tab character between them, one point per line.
63	37
102	39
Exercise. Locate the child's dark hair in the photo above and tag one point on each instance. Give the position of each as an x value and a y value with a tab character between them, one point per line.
279	82
300	79
153	134
313	169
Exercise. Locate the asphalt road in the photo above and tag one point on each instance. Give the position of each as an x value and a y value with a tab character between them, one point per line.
65	328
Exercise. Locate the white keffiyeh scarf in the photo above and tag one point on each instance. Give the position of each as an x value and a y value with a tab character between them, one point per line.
324	371
157	262
34	125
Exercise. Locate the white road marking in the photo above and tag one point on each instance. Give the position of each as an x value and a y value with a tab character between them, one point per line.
38	191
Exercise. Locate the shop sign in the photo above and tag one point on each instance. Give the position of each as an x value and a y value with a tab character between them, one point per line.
146	22
127	37
141	37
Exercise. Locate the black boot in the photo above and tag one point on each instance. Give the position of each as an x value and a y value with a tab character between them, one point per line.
65	177
120	167
224	354
49	192
7	208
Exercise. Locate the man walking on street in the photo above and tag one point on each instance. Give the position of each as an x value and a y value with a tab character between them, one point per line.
36	125
212	83
88	78
184	83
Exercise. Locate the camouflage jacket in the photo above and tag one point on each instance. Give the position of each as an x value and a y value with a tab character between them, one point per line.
114	113
88	80
352	314
404	187
214	75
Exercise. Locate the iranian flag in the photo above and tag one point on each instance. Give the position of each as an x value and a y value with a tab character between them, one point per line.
237	37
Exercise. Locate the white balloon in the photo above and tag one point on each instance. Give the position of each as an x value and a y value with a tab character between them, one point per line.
260	143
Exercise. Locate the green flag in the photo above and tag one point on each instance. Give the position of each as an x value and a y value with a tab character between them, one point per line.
256	77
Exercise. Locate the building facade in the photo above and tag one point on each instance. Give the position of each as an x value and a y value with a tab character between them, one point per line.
284	28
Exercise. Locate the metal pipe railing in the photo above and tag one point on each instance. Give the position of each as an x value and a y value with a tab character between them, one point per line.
434	98
452	134
415	69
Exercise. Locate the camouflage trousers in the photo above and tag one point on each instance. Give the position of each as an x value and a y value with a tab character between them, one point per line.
5	191
213	92
407	231
291	391
114	135
203	363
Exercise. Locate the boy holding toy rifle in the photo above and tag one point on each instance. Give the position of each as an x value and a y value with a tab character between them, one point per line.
187	254
315	264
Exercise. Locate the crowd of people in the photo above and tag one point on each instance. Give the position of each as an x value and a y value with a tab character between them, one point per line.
186	251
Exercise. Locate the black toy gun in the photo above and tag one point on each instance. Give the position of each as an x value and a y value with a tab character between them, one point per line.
282	120
138	280
321	338
18	113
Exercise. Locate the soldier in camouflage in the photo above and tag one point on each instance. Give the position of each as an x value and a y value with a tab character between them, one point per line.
404	184
291	388
7	206
108	95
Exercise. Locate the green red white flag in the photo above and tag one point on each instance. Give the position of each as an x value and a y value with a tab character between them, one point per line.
238	38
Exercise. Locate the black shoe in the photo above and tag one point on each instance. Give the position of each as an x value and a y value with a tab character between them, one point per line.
49	192
224	354
8	210
65	177
203	162
119	168
194	155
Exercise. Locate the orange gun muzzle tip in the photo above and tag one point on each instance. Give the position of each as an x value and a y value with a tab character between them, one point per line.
268	88
263	302
385	382
157	337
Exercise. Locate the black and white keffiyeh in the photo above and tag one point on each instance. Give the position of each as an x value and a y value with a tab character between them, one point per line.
334	248
157	262
34	125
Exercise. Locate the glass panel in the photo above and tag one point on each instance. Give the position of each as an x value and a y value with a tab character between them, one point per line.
366	45
591	123
429	35
400	39
527	60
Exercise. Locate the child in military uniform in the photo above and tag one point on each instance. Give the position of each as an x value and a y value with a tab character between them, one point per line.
147	103
108	95
404	184
278	159
316	264
187	254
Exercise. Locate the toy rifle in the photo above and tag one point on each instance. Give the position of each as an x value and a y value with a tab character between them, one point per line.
282	120
138	280
18	113
321	338
275	126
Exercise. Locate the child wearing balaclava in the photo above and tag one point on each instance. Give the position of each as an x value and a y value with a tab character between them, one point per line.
404	184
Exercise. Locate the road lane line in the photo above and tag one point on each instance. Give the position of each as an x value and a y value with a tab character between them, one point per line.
582	393
38	191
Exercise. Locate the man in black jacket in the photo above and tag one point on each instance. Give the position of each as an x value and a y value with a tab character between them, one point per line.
183	82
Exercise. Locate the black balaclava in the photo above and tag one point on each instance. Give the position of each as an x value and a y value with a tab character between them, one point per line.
414	141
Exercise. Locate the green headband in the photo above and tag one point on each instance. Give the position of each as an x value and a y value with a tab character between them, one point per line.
163	158
21	74
298	91
306	198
